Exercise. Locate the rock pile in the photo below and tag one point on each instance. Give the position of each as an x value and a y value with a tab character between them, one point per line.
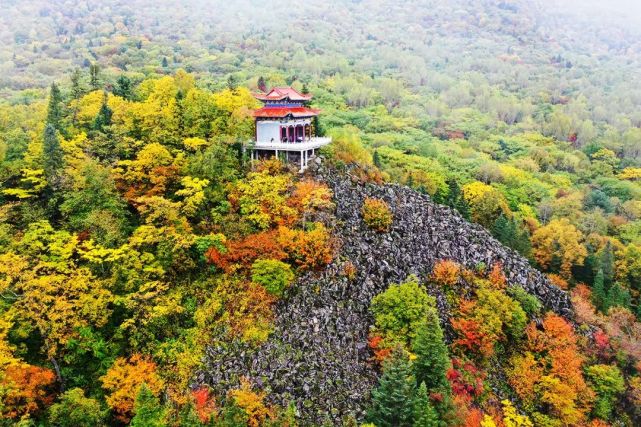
317	356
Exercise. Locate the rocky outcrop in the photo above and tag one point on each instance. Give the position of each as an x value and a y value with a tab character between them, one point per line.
317	355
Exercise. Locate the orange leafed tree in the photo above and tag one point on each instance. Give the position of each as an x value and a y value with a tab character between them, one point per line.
446	272
308	250
551	372
124	378
26	390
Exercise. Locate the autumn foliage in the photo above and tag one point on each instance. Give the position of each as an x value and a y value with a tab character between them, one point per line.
26	390
204	403
446	272
377	214
123	380
252	403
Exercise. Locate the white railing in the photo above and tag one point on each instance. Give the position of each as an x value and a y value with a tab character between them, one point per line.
306	144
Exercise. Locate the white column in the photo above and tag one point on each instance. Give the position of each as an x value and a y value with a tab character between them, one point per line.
301	161
276	153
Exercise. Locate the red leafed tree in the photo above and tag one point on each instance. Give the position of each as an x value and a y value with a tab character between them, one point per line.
27	390
380	353
465	379
204	404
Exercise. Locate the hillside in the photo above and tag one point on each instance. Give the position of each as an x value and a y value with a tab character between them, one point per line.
318	355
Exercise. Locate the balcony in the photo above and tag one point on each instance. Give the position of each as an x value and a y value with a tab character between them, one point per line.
306	144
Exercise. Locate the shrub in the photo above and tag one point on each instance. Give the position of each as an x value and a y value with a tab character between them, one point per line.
273	275
376	214
530	304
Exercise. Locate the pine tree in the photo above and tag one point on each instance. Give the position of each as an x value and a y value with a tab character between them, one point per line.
501	229
123	87
76	84
377	160
189	417
617	297
432	361
103	118
76	92
456	200
424	413
262	85
305	89
607	264
598	291
232	83
94	76
54	109
165	63
393	399
53	155
149	412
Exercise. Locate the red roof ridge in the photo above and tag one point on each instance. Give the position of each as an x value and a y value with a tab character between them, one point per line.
282	92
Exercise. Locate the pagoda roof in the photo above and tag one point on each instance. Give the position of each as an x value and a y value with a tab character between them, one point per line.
280	112
280	93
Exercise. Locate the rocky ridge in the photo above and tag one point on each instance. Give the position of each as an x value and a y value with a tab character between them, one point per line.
317	355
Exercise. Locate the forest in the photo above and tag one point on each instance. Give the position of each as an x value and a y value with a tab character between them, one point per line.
135	234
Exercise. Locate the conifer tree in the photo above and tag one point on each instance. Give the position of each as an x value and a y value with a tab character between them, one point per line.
53	155
148	410
598	291
54	109
377	159
189	417
123	87
607	264
103	118
94	76
76	84
617	297
76	92
232	83
432	361
165	63
501	229
424	413
262	85
393	399
456	200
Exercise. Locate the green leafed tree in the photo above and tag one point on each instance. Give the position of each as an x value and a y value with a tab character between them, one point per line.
148	410
608	383
274	275
75	410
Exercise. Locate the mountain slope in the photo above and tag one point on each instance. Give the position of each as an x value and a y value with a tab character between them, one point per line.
318	354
